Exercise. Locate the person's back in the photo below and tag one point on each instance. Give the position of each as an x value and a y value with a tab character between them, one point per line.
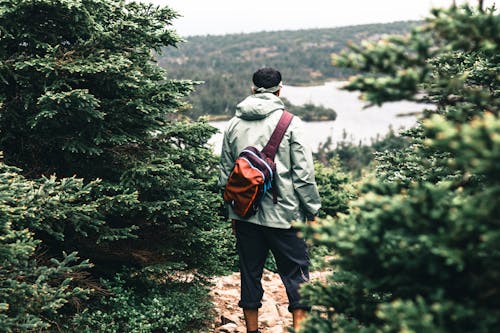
255	120
298	199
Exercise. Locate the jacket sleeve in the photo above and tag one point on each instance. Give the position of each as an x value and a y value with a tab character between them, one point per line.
304	182
226	161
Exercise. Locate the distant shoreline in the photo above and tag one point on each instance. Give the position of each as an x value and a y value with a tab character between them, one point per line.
217	117
319	82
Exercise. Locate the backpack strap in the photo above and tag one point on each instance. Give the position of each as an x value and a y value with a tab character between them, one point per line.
272	145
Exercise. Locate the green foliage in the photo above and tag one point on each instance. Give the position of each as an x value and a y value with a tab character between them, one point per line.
335	188
84	91
35	289
419	251
453	56
356	158
474	145
225	64
81	97
180	307
85	101
55	207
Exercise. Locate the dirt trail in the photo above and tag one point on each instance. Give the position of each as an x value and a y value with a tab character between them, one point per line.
273	316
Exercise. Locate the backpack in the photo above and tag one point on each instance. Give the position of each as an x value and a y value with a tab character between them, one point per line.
254	173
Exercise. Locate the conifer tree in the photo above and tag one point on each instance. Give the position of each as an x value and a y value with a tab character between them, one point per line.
81	94
419	250
34	288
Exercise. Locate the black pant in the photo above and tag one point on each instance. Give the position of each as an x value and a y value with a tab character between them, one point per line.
253	244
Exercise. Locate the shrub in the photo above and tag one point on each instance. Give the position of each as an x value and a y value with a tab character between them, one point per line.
35	290
419	251
160	307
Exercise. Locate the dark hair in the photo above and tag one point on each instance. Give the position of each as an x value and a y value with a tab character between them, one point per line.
266	77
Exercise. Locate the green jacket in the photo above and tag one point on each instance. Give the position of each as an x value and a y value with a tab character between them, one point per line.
255	120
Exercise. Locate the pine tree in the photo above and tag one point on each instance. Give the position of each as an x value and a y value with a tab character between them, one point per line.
420	250
34	289
81	94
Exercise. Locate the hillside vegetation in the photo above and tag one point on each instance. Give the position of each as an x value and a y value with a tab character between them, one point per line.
419	249
226	63
111	217
104	201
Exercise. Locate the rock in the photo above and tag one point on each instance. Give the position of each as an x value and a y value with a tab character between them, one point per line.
267	276
229	318
268	322
228	328
232	293
275	329
269	308
230	281
283	310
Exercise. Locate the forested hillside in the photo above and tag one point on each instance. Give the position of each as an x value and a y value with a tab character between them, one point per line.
226	63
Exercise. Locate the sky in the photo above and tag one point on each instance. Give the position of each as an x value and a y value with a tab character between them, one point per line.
218	17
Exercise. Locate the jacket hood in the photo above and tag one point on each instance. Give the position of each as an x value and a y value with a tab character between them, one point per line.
258	106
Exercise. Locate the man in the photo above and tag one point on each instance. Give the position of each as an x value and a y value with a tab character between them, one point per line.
298	199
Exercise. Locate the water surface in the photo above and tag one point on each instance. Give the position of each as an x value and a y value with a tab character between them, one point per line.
360	124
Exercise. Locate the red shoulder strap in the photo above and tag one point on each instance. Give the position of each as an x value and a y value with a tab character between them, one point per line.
274	142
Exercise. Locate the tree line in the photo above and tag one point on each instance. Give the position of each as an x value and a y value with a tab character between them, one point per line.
224	64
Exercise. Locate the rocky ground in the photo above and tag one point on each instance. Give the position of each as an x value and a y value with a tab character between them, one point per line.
273	316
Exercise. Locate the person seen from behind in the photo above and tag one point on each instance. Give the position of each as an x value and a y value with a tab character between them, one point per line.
270	228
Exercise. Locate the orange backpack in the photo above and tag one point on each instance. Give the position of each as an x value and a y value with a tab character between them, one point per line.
254	173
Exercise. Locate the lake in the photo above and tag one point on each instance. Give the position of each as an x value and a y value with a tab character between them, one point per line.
360	124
